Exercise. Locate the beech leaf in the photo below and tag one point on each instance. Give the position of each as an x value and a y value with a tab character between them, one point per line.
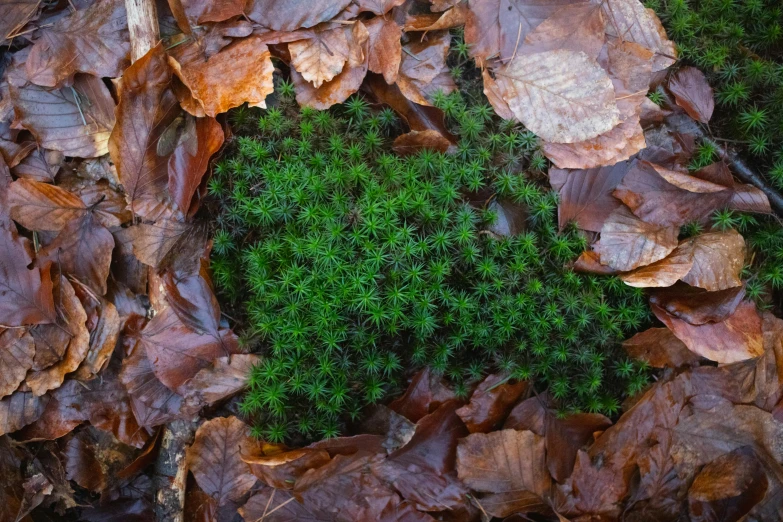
586	195
491	402
629	20
628	242
288	15
384	48
25	295
576	27
20	409
321	58
718	258
199	141
693	93
16	14
659	347
696	305
425	393
41	206
16	358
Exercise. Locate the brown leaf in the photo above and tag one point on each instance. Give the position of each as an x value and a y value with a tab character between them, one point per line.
16	358
76	121
591	490
193	300
744	198
659	347
564	436
16	13
495	28
74	319
41	165
104	333
424	60
200	139
287	15
93	40
321	58
379	7
586	195
425	393
384	48
82	464
589	262
146	109
281	470
344	84
215	459
491	402
415	141
25	295
727	487
41	206
275	505
20	409
628	242
425	22
576	27
692	92
561	95
629	20
168	242
696	305
509	465
242	72
662	273
718	258
737	338
212	11
495	97
616	145
227	377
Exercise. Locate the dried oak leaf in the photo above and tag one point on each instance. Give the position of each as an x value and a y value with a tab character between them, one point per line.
281	470
200	139
146	109
239	73
20	409
322	57
16	13
25	295
586	195
629	20
510	466
576	27
215	460
495	28
696	305
659	347
491	402
564	436
93	40
344	84
736	338
425	393
563	96
16	358
74	319
692	92
627	242
76	121
384	48
288	15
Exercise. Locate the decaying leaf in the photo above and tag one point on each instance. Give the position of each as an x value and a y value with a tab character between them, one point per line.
200	139
577	27
384	48
25	295
696	305
15	15
16	358
662	273
379	7
212	11
41	165
416	141
215	459
288	15
616	145
718	258
281	470
586	195
491	402
563	96
630	20
42	206
160	244
225	378
424	395
20	409
628	242
425	22
659	347
693	93
321	58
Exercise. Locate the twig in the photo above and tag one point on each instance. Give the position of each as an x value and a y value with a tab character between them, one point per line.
78	105
171	471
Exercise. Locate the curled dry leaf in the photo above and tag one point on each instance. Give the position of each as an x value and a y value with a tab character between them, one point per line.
491	402
659	347
425	393
423	68
629	20
215	459
103	339
416	141
696	305
241	72
20	409
321	58
693	93
76	120
509	465
25	295
628	242
425	22
200	139
563	96
16	358
93	40
586	195
662	273
737	338
288	15
384	48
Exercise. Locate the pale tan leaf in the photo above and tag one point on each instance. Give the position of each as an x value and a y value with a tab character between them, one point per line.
662	273
322	58
627	242
563	96
614	146
576	27
629	20
718	258
493	94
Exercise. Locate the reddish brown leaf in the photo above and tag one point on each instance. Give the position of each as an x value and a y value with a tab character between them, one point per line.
718	258
693	93
200	139
227	377
578	27
591	490
93	40
737	338
25	295
82	464
16	358
104	334
659	347
379	7
662	273
76	121
107	205
629	20
425	394
425	22
697	306
495	97
215	459
507	464
275	505
168	242
384	48
415	141
590	263
423	62
628	242
16	13
564	436
287	15
41	165
281	470
744	198
20	409
491	402
586	195
212	11
41	206
194	301
321	58
147	108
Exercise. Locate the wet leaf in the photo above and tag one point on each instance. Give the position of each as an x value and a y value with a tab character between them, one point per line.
744	198
215	459
93	40
200	12
693	93
629	20
20	409
662	273
659	347
16	358
200	140
76	121
225	378
718	258
576	27
379	7
589	262
563	96
586	195
41	165
384	48
425	393
168	242
737	338
41	206
16	13
507	464
424	60
425	22
241	72
281	470
287	15
628	242
491	402
696	305
25	295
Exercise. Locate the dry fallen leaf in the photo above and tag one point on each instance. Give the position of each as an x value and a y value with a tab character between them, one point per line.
189	162
628	242
609	148
15	15
16	358
490	403
425	393
563	96
25	295
576	27
288	15
384	48
20	409
693	93
42	206
659	347
696	305
415	141
629	20
321	58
